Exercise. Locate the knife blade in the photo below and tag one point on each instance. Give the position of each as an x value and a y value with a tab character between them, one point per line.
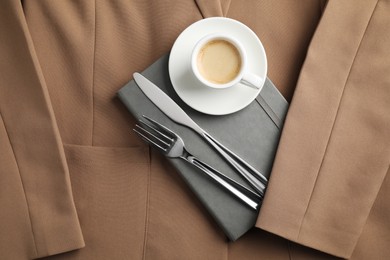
169	107
165	103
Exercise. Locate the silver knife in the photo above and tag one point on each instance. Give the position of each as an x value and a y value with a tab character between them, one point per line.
257	180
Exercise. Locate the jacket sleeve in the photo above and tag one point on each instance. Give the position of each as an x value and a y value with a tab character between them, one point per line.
335	147
37	155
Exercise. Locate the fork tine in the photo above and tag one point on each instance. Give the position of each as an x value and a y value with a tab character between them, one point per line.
156	130
160	126
155	134
147	139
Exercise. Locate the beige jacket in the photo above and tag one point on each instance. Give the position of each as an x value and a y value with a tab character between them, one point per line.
75	183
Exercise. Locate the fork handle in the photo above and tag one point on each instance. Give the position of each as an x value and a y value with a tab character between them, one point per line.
248	192
257	180
220	178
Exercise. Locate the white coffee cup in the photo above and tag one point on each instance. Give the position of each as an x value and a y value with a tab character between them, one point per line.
219	61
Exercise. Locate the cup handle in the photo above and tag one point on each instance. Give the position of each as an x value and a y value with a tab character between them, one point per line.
252	80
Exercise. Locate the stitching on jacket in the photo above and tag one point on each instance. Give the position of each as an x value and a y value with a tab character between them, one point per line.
93	76
147	205
334	121
24	191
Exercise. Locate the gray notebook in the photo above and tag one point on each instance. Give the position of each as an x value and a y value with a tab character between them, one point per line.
252	133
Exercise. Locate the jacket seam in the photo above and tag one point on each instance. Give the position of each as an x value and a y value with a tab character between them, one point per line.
200	10
24	191
334	121
147	205
227	251
289	250
93	75
227	9
224	13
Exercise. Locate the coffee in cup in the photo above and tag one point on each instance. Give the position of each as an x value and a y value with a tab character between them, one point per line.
219	61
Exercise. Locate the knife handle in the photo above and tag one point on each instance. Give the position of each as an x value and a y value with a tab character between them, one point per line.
230	185
257	180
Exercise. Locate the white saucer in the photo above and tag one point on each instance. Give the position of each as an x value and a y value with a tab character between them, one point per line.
202	98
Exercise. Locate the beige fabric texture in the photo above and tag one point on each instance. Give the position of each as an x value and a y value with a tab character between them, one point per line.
76	183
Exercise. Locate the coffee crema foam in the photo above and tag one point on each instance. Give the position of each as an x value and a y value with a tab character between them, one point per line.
219	61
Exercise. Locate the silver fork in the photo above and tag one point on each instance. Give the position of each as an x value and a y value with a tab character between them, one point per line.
171	145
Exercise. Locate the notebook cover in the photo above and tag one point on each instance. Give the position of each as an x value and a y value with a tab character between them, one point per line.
252	133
